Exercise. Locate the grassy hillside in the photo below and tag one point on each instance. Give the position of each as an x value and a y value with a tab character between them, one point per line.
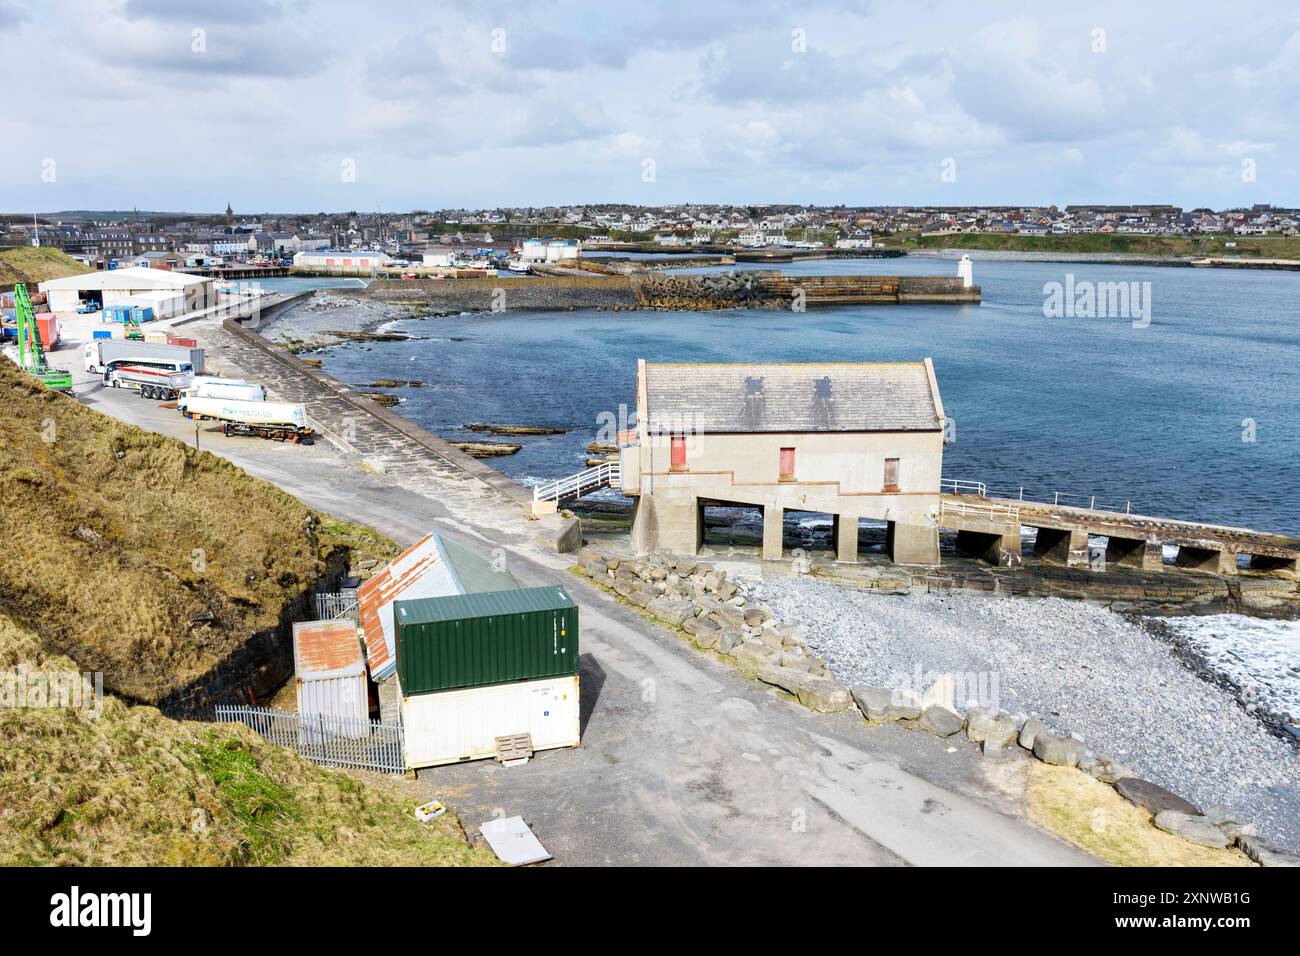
32	265
1253	247
101	523
130	787
137	556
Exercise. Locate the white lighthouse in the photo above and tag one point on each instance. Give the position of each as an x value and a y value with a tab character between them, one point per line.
966	271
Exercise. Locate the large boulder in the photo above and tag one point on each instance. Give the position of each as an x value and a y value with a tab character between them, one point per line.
986	724
1192	827
1057	750
873	702
822	694
751	655
671	611
940	721
1104	769
1033	727
1265	853
1152	797
728	640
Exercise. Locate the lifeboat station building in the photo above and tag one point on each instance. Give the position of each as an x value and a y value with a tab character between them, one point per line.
852	440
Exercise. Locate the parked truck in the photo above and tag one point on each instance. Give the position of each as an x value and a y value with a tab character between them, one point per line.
151	382
102	355
207	387
281	421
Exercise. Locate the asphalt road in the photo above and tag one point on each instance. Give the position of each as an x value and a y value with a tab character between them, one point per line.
683	761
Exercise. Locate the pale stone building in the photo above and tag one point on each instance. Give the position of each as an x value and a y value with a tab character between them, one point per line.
853	440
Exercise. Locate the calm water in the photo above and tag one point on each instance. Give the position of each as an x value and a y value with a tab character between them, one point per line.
1084	406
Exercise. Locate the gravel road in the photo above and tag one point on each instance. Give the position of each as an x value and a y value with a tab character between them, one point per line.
1079	668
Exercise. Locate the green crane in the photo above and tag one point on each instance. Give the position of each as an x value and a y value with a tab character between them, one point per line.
31	355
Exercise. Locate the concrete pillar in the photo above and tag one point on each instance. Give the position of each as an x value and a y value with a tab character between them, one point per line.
846	538
1211	560
679	525
1055	545
1135	553
912	543
773	532
643	525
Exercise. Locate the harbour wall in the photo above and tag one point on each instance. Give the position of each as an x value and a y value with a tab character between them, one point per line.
727	290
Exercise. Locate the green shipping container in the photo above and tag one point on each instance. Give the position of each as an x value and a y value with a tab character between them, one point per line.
473	640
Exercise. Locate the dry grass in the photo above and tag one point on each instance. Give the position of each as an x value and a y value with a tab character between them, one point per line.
31	265
133	788
114	537
1097	820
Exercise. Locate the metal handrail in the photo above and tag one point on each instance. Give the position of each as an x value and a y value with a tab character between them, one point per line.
985	512
600	476
1091	499
960	486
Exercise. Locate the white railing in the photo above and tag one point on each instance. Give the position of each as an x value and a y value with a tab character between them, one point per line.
1071	500
331	741
601	476
957	486
989	513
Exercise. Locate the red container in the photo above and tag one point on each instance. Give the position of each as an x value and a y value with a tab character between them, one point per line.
184	343
47	325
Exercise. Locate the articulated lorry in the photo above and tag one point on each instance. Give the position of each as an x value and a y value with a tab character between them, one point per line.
151	382
282	421
207	387
101	355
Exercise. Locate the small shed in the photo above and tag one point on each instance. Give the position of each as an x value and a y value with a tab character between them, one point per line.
432	567
330	670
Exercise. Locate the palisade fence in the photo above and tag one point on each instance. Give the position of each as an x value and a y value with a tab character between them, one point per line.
331	741
335	604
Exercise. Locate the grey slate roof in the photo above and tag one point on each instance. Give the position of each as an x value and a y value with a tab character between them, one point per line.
809	397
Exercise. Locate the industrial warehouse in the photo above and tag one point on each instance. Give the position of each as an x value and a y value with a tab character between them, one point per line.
166	293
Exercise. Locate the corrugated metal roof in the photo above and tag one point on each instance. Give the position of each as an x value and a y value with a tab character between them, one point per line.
477	575
429	568
462	606
326	649
807	397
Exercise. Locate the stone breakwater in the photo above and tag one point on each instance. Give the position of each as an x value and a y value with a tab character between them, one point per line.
649	290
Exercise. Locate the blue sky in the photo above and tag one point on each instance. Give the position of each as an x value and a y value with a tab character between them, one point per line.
314	104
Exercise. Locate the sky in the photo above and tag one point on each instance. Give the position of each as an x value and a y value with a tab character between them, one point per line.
323	105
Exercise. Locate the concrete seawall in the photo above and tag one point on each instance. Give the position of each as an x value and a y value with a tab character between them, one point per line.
741	289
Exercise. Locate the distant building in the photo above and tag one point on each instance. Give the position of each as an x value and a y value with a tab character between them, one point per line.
851	440
332	261
170	292
859	240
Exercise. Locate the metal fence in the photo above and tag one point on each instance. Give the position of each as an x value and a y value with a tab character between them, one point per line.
331	741
332	605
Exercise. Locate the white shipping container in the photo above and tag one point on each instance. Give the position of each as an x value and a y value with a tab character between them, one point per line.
343	695
456	725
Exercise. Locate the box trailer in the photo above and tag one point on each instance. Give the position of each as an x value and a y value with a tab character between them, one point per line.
101	354
458	725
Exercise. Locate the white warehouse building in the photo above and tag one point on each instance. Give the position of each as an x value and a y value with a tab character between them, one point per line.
170	293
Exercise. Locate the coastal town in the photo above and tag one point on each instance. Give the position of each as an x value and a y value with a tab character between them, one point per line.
715	439
400	239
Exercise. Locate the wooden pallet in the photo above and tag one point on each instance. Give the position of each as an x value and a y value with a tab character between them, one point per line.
514	747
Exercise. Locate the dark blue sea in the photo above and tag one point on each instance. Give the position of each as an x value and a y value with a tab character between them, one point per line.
1193	416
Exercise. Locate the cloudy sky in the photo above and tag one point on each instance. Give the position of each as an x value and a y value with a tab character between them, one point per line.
309	105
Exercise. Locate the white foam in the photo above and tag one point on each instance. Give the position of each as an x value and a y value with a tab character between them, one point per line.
1252	652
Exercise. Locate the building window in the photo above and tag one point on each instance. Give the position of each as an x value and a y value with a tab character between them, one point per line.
787	464
678	460
891	474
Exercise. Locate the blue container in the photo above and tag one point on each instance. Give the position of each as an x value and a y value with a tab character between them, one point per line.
102	334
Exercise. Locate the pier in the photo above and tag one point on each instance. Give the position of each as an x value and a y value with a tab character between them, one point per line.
988	529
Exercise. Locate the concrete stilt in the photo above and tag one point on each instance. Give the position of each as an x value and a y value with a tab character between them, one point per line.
912	543
679	525
773	532
846	538
989	546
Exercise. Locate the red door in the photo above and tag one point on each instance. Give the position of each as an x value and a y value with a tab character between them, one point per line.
678	461
787	464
